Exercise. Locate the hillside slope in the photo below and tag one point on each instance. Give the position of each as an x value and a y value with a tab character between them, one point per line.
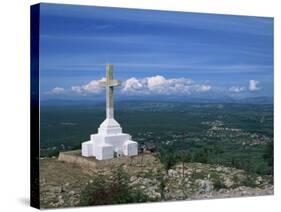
61	183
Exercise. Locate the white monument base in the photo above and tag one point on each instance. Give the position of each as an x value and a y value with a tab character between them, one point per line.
109	142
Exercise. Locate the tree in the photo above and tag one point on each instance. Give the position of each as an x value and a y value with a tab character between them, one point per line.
201	156
268	154
167	157
184	157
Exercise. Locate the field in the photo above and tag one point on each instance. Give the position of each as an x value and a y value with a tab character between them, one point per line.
230	134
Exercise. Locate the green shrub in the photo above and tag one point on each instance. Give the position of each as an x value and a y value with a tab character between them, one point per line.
218	184
200	156
268	153
198	175
167	157
249	181
112	189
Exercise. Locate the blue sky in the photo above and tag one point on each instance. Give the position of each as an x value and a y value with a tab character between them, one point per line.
153	52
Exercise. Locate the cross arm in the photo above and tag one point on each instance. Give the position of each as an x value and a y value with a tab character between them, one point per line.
110	83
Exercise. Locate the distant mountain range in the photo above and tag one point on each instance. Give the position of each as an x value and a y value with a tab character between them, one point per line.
224	100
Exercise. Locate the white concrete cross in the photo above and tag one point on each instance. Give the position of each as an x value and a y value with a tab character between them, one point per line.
110	139
110	83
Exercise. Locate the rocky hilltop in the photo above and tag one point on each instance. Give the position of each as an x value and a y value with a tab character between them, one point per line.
61	182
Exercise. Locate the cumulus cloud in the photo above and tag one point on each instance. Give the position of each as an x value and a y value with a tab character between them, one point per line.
237	89
159	85
57	90
253	85
132	85
203	88
163	86
93	87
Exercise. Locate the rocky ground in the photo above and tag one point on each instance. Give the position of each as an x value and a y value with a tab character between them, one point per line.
61	182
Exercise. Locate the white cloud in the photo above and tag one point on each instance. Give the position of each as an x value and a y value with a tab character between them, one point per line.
155	82
132	85
93	87
57	90
153	85
237	89
203	88
253	85
163	86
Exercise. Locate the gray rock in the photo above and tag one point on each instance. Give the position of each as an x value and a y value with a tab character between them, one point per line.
219	169
133	178
244	193
157	195
172	173
56	189
71	192
228	182
205	186
60	202
142	187
257	182
198	171
259	178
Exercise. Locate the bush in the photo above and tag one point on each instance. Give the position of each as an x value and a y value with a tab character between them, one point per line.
249	181
96	192
201	156
218	184
113	189
268	155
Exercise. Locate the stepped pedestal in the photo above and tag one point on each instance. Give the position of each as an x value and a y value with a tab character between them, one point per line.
109	142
